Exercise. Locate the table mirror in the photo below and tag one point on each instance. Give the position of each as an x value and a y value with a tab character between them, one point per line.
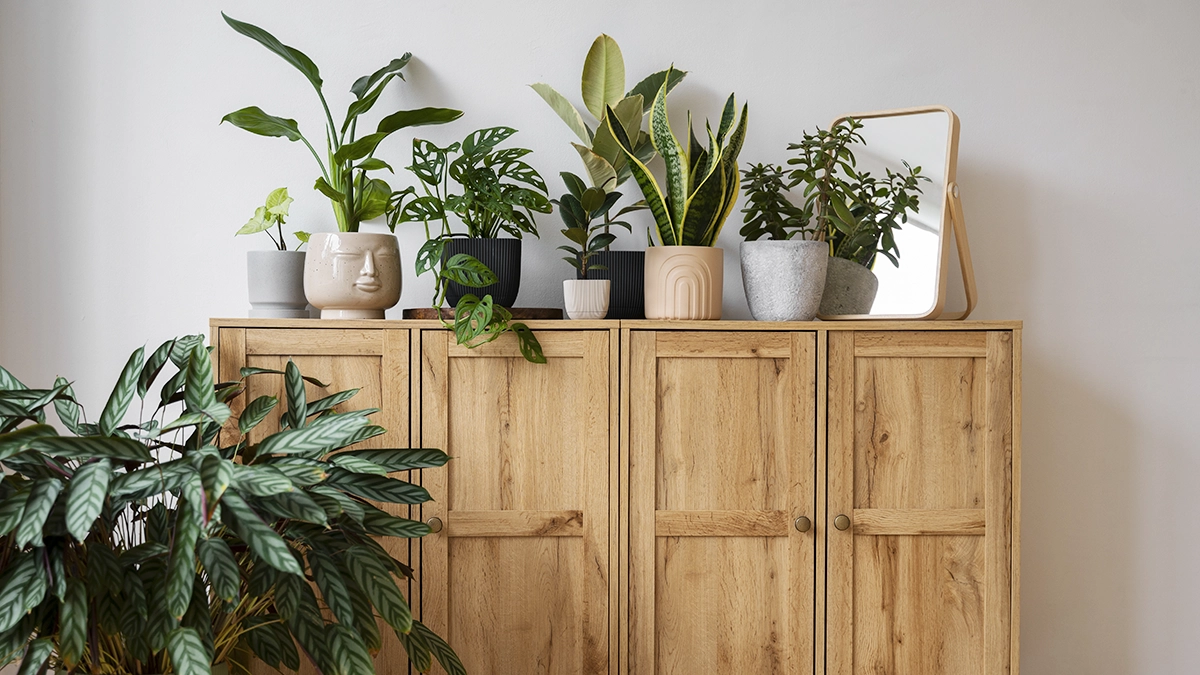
915	288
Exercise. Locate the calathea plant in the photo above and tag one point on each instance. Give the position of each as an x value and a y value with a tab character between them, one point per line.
158	547
702	181
349	158
273	214
856	212
579	208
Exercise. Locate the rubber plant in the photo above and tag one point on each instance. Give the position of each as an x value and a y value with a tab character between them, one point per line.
579	208
349	159
701	181
167	545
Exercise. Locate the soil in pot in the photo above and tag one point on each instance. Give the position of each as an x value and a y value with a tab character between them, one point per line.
784	280
849	289
502	256
627	271
684	282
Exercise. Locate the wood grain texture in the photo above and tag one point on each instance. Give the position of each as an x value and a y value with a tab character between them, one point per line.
919	521
515	523
712	345
330	341
747	523
636	324
914	344
1015	582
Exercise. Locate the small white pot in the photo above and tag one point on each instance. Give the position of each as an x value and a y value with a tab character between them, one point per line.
275	280
586	298
352	275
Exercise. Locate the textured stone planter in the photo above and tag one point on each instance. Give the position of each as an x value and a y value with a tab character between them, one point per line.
684	282
586	298
784	280
352	275
275	280
849	289
502	256
627	271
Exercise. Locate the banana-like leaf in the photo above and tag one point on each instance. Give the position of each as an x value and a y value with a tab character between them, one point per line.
73	623
85	497
565	111
333	587
222	568
373	577
421	117
603	75
401	460
264	542
293	56
650	190
37	509
187	652
22	587
122	394
365	103
375	197
256	121
364	84
672	153
328	190
358	149
648	87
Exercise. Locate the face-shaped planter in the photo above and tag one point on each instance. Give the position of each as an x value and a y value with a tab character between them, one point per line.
352	275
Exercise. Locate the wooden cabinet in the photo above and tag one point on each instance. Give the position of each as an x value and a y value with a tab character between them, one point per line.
698	497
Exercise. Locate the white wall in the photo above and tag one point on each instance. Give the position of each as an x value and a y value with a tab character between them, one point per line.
1079	164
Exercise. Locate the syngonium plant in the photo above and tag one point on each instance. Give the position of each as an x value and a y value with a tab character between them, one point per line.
273	214
167	546
702	181
344	179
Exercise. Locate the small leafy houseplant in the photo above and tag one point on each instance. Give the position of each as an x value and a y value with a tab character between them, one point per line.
855	211
701	189
273	214
275	278
579	209
167	545
495	192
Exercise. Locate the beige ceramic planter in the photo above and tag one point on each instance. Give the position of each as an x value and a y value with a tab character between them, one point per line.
352	275
684	282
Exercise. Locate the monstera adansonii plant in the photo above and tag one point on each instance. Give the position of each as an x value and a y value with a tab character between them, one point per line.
168	545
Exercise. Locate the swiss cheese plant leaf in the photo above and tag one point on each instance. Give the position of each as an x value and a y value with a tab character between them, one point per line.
122	394
85	496
465	269
479	142
187	652
222	568
603	75
365	83
373	577
420	117
254	120
401	460
37	509
293	56
565	111
442	651
377	488
22	587
263	541
297	398
531	349
672	153
316	440
648	87
73	623
333	587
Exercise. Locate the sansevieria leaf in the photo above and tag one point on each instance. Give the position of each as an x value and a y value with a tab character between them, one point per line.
122	393
672	153
188	656
222	568
85	496
263	541
37	508
22	588
371	576
655	200
73	623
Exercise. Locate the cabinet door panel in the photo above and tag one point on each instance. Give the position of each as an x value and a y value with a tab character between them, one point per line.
722	437
920	460
519	578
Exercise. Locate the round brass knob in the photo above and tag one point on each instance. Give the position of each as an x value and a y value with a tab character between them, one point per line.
803	524
842	522
435	524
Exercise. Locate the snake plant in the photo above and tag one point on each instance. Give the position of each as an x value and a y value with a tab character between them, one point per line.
702	182
182	541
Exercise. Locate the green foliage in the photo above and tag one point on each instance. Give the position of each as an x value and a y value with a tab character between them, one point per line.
171	545
769	213
856	211
273	214
702	182
349	159
578	209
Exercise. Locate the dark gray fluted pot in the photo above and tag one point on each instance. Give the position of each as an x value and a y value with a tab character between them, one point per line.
627	272
849	288
502	256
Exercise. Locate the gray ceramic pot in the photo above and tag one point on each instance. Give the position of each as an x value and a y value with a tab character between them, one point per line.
849	288
784	280
276	283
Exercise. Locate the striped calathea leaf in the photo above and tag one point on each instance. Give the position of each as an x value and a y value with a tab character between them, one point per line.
174	532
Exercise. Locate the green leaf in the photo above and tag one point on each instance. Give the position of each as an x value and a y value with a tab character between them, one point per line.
158	477
300	471
703	209
198	394
263	541
671	151
153	367
464	269
89	447
18	441
348	651
271	642
359	149
357	465
261	222
66	406
374	164
297	410
603	75
401	460
216	473
292	56
188	656
36	655
85	496
248	372
260	480
181	571
364	614
420	117
481	141
377	488
13	507
122	394
255	412
315	440
599	170
73	623
22	587
37	508
373	577
417	648
222	568
302	236
648	87
328	190
445	655
333	586
254	120
329	402
295	505
531	349
365	103
565	111
364	84
650	190
384	524
352	508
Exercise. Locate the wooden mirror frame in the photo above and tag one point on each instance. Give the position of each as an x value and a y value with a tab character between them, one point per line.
952	214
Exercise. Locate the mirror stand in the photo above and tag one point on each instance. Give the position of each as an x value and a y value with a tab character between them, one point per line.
959	225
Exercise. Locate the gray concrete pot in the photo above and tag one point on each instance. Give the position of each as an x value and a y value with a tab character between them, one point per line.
276	283
849	289
784	280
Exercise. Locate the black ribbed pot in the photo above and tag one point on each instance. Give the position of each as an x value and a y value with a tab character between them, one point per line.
627	271
502	256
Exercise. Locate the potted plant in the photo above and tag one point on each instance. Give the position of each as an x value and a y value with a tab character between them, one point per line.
586	298
855	211
684	272
275	278
783	260
602	82
365	280
132	548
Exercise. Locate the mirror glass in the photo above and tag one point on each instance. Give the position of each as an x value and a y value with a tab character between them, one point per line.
923	139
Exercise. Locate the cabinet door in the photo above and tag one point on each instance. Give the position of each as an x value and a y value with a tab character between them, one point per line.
920	461
374	361
518	580
722	463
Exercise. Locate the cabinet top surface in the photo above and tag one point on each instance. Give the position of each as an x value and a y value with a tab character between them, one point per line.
567	324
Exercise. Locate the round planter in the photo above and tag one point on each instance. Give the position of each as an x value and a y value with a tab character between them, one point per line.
275	280
627	271
849	289
586	298
784	280
352	275
502	256
684	282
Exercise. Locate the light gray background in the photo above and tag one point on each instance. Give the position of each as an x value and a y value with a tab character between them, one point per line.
119	194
